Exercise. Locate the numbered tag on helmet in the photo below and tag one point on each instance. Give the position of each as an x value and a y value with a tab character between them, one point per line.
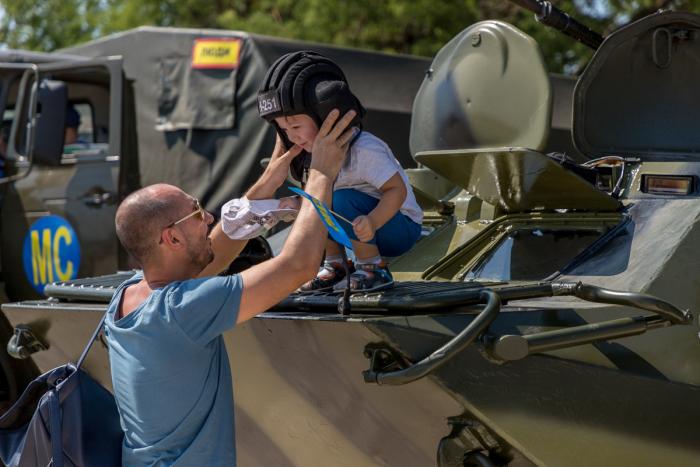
268	103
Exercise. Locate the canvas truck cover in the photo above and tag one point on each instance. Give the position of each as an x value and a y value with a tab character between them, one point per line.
196	111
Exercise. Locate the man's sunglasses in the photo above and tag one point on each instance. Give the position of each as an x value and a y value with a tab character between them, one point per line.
198	211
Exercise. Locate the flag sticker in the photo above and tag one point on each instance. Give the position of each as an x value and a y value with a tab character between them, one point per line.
327	217
216	53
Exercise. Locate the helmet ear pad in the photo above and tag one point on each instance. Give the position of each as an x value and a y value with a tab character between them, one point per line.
322	95
298	77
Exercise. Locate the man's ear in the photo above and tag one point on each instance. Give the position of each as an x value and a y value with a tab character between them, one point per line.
172	238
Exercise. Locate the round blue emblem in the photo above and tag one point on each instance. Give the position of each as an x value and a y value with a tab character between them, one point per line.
51	252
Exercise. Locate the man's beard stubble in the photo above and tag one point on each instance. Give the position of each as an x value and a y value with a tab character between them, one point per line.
201	257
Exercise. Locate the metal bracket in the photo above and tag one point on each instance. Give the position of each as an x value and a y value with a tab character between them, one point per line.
382	359
23	343
469	443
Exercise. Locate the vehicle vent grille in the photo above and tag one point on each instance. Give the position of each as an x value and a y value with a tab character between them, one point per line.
91	289
405	297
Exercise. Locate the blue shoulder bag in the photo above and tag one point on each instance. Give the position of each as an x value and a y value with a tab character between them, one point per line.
63	418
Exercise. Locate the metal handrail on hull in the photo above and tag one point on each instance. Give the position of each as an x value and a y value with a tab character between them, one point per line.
512	347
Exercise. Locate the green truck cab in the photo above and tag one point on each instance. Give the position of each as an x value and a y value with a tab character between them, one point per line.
548	314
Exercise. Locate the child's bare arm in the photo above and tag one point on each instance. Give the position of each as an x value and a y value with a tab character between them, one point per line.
393	195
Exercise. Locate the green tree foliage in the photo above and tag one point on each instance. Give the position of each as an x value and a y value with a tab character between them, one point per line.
46	25
401	26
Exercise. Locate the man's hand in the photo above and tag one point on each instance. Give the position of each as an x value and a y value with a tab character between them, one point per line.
275	173
331	143
363	228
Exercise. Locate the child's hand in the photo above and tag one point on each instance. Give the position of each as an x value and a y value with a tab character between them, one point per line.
290	202
363	228
275	173
278	167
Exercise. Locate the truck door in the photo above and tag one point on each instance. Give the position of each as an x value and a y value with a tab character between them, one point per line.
59	202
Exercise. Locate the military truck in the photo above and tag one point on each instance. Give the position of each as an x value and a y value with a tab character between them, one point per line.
546	317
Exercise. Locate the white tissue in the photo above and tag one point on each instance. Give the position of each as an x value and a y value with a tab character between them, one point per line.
243	219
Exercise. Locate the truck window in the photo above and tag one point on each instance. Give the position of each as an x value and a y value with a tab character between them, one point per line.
86	130
5	126
81	136
4	139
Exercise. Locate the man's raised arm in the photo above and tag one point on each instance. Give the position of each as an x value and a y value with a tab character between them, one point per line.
226	249
267	283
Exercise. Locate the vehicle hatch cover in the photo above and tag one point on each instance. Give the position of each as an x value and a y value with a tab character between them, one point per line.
517	180
638	95
488	87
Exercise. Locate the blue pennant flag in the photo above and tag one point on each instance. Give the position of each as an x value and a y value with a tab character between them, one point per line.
327	217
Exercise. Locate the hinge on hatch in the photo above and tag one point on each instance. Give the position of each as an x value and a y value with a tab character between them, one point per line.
662	44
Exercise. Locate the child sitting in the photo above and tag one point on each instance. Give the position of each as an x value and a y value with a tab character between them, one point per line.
372	190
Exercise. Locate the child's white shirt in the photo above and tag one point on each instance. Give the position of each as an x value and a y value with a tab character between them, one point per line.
371	164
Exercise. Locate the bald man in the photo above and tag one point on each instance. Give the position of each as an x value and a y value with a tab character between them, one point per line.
170	370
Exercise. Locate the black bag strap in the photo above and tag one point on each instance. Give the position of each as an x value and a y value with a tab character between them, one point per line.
54	404
55	429
91	341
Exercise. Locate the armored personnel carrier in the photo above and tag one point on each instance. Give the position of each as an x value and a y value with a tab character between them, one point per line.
548	314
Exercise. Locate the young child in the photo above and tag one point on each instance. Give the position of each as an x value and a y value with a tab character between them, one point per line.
372	190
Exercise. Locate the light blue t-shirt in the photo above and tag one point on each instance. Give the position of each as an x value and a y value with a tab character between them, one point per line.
171	374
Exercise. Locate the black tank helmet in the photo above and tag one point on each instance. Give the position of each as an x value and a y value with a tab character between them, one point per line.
305	83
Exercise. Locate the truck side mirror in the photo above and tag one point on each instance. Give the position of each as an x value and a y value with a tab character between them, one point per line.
50	122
